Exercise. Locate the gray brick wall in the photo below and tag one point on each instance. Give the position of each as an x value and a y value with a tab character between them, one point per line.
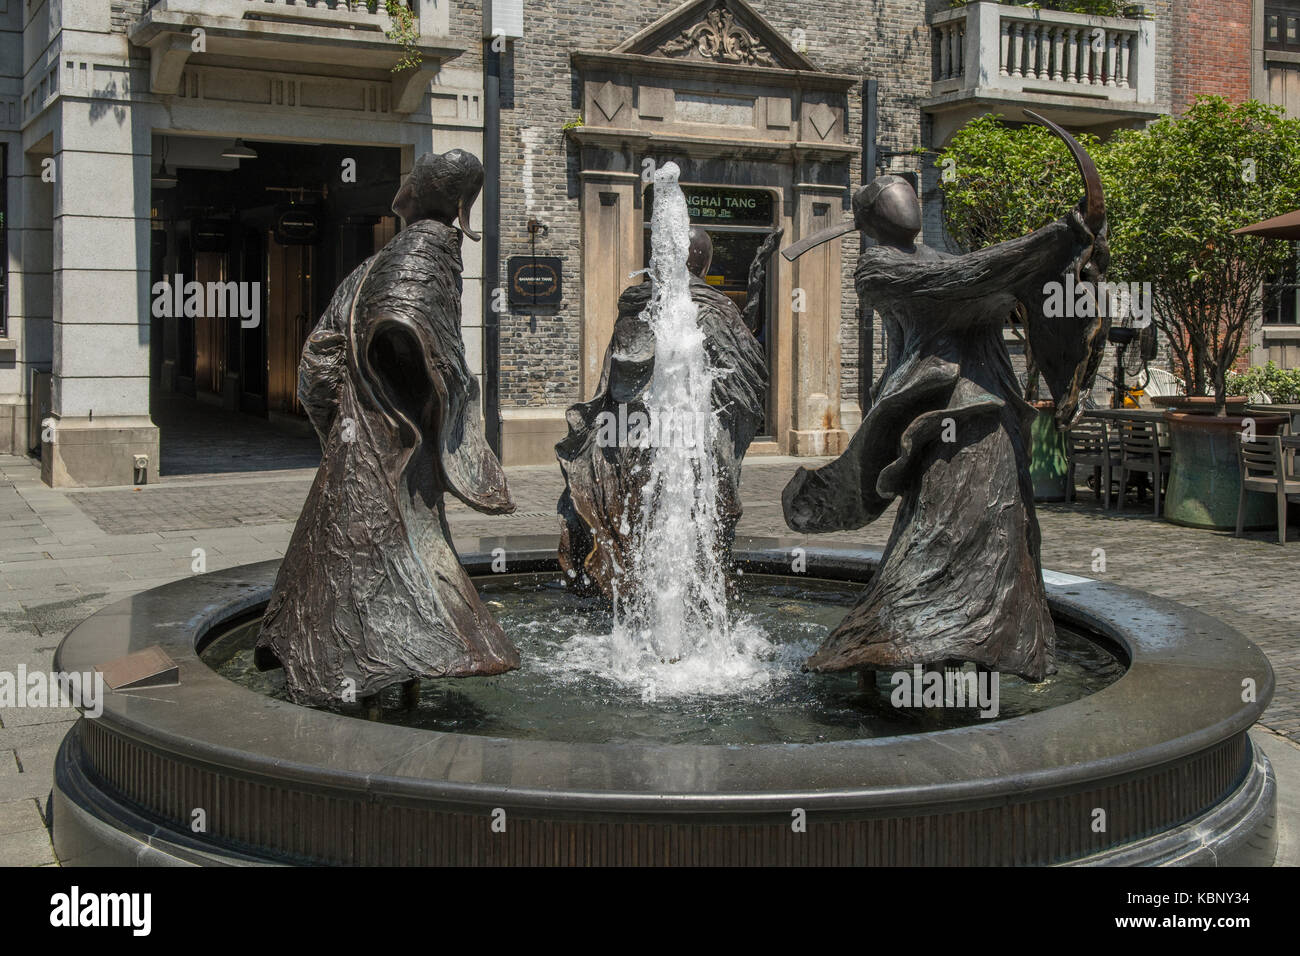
887	39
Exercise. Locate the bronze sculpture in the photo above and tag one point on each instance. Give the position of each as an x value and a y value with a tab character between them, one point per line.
948	434
604	478
371	591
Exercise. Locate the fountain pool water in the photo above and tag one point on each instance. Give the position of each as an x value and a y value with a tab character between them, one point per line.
1142	714
558	695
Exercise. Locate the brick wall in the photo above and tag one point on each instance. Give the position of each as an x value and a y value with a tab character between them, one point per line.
887	39
1211	50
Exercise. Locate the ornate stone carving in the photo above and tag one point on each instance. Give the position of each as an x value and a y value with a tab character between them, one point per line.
720	38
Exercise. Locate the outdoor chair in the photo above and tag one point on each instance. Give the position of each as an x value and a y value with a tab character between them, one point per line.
1263	470
1140	452
1089	443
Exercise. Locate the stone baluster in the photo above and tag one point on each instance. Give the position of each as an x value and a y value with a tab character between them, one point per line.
1125	59
1072	55
1112	60
1035	67
1005	38
944	66
1017	48
1058	54
1084	48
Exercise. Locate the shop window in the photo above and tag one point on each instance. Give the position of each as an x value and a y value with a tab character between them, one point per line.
1282	25
1282	292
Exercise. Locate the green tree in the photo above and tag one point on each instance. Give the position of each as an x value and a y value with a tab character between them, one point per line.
1175	193
1001	182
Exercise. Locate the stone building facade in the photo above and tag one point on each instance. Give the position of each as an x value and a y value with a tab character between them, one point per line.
109	110
593	93
764	104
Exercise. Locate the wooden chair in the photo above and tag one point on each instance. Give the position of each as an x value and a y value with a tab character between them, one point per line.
1089	443
1140	451
1263	469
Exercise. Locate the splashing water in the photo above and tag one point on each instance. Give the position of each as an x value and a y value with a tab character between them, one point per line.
672	632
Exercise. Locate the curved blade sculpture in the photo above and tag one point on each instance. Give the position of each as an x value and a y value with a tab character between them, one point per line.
948	434
604	467
371	591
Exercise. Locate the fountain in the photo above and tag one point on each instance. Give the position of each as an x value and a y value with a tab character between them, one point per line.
661	712
672	632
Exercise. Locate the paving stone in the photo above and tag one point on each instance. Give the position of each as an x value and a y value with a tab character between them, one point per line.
17	816
26	848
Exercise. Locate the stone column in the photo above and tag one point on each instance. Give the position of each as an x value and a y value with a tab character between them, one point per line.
815	360
100	401
15	376
26	346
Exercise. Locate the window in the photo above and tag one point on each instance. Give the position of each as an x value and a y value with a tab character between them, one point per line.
1282	25
1282	293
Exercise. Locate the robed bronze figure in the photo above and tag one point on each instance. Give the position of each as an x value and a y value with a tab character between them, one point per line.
948	435
605	468
371	591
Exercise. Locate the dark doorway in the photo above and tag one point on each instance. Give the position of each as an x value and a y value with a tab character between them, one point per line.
285	225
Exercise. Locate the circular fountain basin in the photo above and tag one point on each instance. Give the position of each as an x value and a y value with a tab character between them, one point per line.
1135	752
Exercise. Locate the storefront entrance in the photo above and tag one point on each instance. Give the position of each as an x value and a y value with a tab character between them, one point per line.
280	228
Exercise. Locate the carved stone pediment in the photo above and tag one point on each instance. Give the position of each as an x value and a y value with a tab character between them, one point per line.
717	31
720	38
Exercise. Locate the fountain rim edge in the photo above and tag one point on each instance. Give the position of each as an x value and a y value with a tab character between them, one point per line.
1020	743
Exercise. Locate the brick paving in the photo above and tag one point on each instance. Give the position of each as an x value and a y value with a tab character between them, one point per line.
65	554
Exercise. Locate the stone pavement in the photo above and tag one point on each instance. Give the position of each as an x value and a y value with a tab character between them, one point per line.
65	554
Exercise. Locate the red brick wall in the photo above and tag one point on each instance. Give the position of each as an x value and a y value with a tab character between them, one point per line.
1211	50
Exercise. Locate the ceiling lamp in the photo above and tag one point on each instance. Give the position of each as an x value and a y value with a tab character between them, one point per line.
239	151
163	179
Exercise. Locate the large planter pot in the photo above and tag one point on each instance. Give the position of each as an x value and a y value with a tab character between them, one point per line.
1204	477
1047	462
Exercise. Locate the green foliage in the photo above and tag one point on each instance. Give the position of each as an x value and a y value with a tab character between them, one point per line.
1097	8
1174	193
405	31
1281	385
1000	183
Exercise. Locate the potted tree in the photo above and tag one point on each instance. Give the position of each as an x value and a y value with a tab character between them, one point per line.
1176	191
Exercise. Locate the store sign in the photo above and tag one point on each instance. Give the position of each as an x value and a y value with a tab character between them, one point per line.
723	206
210	235
534	280
297	227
